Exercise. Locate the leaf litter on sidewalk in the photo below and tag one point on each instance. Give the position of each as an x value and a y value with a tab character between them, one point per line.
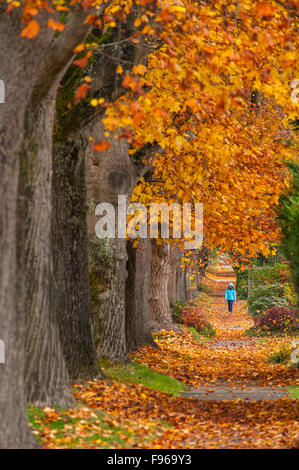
120	413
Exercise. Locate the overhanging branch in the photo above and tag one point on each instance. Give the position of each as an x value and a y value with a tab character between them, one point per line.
61	52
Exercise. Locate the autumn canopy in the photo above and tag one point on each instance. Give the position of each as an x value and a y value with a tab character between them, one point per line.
174	101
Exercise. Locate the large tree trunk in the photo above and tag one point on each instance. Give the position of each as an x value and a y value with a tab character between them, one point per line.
14	429
46	376
159	308
203	261
181	285
71	293
69	229
27	67
137	291
109	314
18	76
176	285
29	74
192	280
108	174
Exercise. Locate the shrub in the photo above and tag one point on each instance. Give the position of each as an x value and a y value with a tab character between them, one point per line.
262	275
192	318
281	356
277	273
176	311
208	331
204	298
290	294
267	290
242	288
204	288
257	306
278	318
264	297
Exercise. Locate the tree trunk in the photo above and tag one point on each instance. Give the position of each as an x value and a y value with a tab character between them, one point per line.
181	282
14	429
71	293
41	63
46	377
159	308
203	261
109	316
191	283
137	291
172	284
108	174
18	76
176	285
74	126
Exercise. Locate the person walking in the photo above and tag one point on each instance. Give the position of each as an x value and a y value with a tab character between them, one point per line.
230	295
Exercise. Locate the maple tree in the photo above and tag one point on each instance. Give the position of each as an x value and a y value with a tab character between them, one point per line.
201	114
187	69
261	228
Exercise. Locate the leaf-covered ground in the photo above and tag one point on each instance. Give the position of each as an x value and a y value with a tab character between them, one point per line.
130	410
230	356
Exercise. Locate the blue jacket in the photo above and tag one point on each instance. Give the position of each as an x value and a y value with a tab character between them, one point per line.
230	294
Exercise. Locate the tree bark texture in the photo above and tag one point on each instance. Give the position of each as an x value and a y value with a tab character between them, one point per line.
46	377
159	308
137	291
176	285
21	60
71	293
108	174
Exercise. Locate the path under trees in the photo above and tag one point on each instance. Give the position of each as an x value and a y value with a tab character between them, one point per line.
235	398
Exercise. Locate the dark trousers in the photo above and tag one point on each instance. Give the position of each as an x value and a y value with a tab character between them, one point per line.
230	305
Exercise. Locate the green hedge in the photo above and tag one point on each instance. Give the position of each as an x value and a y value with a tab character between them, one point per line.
261	275
204	288
268	290
289	224
259	305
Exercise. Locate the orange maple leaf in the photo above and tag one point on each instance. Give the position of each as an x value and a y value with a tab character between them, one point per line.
55	25
31	29
101	146
127	81
139	69
84	61
81	92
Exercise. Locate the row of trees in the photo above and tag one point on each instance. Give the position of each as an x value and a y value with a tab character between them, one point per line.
52	173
